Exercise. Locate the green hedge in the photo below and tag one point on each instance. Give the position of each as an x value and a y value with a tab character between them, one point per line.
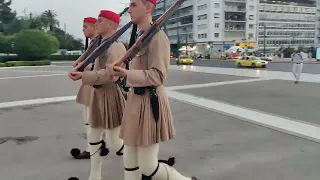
34	44
64	57
4	59
25	63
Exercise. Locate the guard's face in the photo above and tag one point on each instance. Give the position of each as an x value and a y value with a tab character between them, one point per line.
138	10
103	24
88	29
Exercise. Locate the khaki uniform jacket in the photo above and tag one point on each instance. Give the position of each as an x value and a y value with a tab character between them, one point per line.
148	68
84	91
106	103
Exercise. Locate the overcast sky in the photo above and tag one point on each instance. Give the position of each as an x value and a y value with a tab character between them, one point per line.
70	12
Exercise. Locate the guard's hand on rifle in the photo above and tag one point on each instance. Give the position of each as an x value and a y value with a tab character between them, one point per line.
75	75
115	70
75	63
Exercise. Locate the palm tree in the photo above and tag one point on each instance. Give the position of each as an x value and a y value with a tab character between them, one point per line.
49	18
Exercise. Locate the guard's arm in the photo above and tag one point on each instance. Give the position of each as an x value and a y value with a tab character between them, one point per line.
113	54
158	63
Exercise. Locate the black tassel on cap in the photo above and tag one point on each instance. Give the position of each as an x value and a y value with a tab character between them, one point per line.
73	178
104	151
87	44
170	162
75	152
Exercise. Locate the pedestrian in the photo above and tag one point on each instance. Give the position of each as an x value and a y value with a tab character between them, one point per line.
298	58
147	119
107	102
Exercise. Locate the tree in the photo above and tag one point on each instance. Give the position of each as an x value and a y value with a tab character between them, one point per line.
6	44
34	44
66	40
49	19
6	14
36	22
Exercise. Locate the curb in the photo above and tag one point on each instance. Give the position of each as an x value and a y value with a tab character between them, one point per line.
17	67
306	62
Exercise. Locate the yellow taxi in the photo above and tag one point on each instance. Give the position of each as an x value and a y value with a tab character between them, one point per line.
251	61
184	60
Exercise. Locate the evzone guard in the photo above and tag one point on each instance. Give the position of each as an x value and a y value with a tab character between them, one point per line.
107	102
83	96
147	119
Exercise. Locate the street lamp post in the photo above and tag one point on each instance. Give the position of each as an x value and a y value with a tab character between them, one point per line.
264	38
164	10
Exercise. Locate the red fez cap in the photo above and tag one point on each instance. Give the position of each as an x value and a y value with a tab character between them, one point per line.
110	15
153	2
90	20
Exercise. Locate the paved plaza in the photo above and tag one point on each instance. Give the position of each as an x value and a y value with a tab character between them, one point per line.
232	124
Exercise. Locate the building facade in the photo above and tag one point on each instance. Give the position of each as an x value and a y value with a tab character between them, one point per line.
253	24
287	24
125	37
179	27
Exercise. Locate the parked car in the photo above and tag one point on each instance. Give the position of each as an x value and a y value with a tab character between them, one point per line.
266	57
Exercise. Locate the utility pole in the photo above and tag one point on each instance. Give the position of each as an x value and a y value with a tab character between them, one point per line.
187	42
164	10
264	38
65	39
178	41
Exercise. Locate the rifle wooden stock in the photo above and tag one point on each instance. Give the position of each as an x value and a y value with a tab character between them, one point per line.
100	49
149	33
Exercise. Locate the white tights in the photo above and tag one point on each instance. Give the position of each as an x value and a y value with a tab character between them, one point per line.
146	159
86	123
113	142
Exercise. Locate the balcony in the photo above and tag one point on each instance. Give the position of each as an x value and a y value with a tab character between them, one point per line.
230	28
237	36
235	1
238	9
235	17
179	24
169	3
182	14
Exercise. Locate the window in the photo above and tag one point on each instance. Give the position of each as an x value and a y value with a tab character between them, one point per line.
216	35
251	26
216	15
216	5
202	26
251	7
216	25
250	35
251	17
202	7
201	17
202	36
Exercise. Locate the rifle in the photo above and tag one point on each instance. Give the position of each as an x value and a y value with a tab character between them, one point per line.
145	39
103	46
122	81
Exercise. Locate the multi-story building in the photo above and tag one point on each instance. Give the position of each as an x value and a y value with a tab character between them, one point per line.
257	24
287	23
125	18
179	27
228	22
211	24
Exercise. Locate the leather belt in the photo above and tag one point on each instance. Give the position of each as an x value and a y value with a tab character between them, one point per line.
154	100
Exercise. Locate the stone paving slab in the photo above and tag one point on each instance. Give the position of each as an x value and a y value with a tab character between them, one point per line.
37	87
280	97
178	78
62	85
209	145
8	74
